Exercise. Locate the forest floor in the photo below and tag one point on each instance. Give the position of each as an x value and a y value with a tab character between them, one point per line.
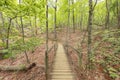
38	72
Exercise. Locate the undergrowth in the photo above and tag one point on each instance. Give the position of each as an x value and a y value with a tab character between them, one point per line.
109	47
19	47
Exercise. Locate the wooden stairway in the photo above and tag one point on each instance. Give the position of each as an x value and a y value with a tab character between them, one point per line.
61	68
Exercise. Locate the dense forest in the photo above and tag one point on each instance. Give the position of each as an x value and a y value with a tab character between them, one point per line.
32	32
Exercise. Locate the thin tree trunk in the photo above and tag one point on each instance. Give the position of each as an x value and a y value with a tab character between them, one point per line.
55	34
30	23
55	26
68	25
18	26
81	20
107	15
21	20
24	39
73	17
3	30
8	33
36	32
118	13
46	52
2	19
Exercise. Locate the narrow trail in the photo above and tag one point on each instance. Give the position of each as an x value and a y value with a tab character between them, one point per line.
61	68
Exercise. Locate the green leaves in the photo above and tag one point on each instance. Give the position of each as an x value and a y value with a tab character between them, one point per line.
113	72
19	47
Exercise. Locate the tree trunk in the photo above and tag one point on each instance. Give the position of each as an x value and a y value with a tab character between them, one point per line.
73	17
2	19
55	34
118	13
46	52
89	33
81	21
36	32
24	39
55	26
68	25
107	15
3	30
21	20
8	33
30	24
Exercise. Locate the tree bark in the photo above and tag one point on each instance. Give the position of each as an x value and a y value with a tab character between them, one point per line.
36	32
107	15
55	19
81	21
89	33
68	25
73	18
46	52
8	33
118	13
3	30
55	26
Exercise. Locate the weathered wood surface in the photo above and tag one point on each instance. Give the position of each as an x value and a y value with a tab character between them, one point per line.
61	68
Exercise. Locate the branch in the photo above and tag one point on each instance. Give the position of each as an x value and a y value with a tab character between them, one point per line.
94	5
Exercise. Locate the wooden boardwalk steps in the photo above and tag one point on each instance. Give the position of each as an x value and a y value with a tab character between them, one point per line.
61	68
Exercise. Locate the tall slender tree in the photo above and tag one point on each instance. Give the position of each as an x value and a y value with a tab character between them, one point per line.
8	33
21	20
107	15
2	31
46	52
36	31
118	13
89	32
73	16
68	25
55	25
55	19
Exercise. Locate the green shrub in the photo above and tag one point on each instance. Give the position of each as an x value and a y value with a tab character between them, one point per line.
19	47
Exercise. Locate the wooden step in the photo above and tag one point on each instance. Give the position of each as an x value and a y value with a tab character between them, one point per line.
65	70
63	77
62	73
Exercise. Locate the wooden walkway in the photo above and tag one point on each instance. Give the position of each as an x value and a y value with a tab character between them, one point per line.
61	68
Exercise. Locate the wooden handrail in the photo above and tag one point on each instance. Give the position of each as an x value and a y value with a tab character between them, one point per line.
51	48
78	52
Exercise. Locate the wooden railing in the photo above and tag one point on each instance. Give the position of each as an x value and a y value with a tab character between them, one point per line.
76	64
51	52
